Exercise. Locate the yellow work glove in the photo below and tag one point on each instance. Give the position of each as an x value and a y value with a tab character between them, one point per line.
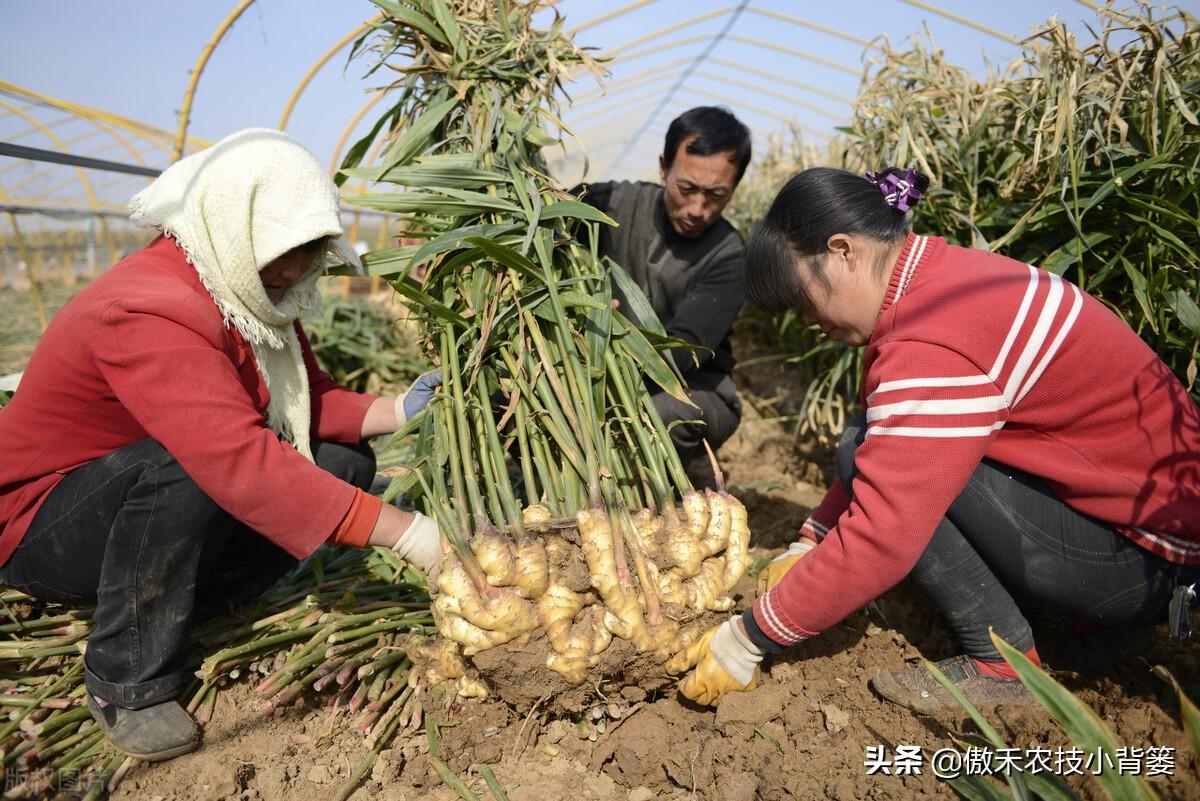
725	661
774	570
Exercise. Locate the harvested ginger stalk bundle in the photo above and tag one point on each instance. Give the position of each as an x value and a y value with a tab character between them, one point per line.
571	523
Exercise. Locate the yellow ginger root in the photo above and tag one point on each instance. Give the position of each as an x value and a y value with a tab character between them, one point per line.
533	575
716	535
440	658
670	588
737	553
681	546
472	687
649	527
587	641
704	591
534	515
505	612
495	556
558	608
452	626
624	616
696	513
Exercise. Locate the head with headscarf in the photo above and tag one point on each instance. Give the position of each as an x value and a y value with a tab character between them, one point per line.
236	209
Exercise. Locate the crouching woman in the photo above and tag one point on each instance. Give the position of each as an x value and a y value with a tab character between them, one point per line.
1022	453
173	446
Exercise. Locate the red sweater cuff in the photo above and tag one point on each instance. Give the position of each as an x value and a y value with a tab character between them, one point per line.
355	528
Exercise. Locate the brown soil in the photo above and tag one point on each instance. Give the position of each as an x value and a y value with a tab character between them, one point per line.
802	734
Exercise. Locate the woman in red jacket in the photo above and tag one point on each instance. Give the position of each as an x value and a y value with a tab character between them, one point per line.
1022	450
173	445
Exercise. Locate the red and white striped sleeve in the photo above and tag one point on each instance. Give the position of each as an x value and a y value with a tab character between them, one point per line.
826	515
930	415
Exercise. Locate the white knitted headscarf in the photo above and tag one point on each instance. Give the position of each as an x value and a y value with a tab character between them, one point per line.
233	209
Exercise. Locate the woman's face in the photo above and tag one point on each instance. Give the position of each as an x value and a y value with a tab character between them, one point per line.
846	305
289	268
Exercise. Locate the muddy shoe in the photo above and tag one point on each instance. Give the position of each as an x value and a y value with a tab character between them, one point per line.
156	733
917	689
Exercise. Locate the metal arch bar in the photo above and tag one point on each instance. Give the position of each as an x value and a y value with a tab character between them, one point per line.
603	18
682	79
791	51
321	62
37	175
54	157
74	140
816	26
60	212
185	112
962	21
687	23
811	107
789	81
87	187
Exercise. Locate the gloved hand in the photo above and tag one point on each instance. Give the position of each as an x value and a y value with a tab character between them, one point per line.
773	572
421	542
725	661
417	396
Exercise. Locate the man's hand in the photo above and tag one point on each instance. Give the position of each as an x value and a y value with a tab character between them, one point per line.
725	661
417	396
774	571
420	544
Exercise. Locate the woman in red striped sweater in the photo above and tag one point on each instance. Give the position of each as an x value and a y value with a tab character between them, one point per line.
1022	450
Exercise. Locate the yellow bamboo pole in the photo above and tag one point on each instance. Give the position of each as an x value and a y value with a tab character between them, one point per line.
185	112
815	26
358	115
623	10
961	20
791	51
23	255
321	62
687	23
627	82
760	89
774	78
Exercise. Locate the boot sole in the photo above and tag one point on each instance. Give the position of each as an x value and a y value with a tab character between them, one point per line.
164	755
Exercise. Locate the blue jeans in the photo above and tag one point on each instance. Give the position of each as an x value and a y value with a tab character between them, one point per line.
132	533
1008	544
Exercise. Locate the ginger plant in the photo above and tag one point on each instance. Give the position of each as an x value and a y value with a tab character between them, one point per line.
543	459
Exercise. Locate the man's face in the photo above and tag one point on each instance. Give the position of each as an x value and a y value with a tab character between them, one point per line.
697	188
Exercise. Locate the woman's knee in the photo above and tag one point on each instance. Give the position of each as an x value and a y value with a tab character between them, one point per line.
852	438
354	464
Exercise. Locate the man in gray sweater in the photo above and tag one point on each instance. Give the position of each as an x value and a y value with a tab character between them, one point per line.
687	260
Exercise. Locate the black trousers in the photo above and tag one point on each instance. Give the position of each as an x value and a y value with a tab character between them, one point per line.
133	534
720	411
1009	544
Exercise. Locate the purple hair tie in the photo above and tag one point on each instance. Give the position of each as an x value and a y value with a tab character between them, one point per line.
899	193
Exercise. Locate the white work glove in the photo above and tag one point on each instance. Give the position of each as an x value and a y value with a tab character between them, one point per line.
417	396
421	543
725	661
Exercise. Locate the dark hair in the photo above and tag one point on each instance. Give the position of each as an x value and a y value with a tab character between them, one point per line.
813	206
716	131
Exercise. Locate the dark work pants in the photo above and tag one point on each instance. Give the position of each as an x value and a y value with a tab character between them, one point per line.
1009	543
720	411
133	534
